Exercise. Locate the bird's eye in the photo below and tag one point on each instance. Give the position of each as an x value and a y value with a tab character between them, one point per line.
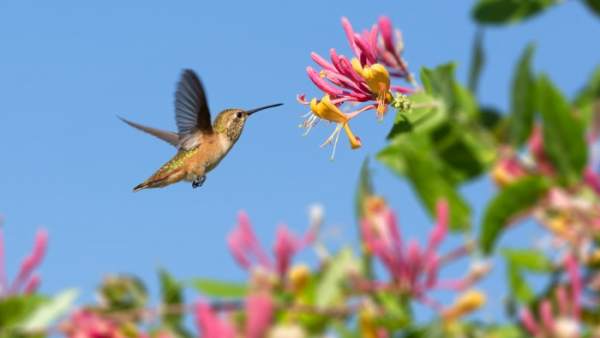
239	115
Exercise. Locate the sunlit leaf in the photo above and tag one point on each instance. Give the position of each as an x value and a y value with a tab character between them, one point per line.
510	202
47	313
15	310
528	259
329	289
216	288
426	114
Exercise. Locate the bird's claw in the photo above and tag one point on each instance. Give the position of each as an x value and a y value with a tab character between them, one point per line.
198	182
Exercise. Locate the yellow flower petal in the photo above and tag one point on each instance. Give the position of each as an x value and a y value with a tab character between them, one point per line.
354	141
327	110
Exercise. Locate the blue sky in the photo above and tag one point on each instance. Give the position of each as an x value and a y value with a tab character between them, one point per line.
68	68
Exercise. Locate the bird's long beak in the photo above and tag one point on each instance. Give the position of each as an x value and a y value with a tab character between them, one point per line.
252	111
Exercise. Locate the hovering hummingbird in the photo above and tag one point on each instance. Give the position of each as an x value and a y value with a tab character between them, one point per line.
201	145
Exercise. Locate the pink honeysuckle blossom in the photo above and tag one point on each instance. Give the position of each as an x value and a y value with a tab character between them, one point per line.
26	280
210	324
248	252
258	308
363	79
565	322
413	270
89	324
259	312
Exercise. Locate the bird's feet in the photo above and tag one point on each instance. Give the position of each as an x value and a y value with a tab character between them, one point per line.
198	181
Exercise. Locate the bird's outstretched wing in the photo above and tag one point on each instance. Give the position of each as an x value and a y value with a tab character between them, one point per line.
191	108
167	136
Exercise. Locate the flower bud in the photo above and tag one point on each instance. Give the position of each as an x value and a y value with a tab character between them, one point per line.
298	277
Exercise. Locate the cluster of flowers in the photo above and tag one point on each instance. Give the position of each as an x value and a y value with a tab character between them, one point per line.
572	218
364	79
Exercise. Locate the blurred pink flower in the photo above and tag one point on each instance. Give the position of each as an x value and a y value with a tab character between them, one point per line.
26	280
565	321
413	270
248	252
88	324
259	315
210	325
259	312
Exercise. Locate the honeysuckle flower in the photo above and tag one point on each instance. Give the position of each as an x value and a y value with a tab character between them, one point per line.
259	315
324	109
363	79
414	271
210	324
258	309
507	169
298	277
249	254
89	324
26	280
567	321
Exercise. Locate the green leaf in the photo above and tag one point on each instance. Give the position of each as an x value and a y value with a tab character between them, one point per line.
517	262
172	295
216	288
413	157
523	99
528	259
508	11
426	114
15	310
440	82
593	5
477	62
511	201
587	101
364	189
45	314
564	134
330	287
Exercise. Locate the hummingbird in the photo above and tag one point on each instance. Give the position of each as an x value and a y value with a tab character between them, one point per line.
200	144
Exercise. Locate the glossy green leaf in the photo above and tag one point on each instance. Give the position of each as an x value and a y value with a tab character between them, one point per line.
477	62
15	310
330	287
510	202
426	114
216	288
564	134
528	259
523	99
508	11
47	313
